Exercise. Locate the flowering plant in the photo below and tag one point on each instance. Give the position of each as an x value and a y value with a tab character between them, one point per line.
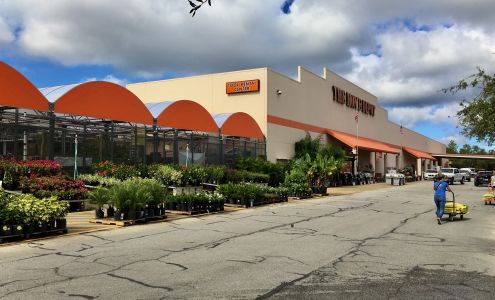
119	171
59	186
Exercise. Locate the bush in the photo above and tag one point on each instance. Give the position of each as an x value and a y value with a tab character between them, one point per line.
167	175
95	180
27	209
215	174
274	172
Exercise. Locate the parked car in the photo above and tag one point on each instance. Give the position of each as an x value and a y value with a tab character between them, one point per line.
453	175
467	173
482	178
430	174
472	171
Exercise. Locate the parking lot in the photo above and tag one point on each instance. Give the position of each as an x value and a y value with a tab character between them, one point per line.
377	244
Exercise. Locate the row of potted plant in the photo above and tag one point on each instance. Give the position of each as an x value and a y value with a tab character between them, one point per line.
24	214
130	199
249	194
199	202
173	175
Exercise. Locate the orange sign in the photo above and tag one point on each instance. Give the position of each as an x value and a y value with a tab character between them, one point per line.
244	86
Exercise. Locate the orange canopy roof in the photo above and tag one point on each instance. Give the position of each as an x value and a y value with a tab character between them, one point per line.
362	143
105	100
17	91
186	114
418	154
239	124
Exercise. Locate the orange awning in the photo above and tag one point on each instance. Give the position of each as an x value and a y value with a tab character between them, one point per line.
362	143
418	154
17	91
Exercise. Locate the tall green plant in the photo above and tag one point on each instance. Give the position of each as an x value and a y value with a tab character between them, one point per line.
307	145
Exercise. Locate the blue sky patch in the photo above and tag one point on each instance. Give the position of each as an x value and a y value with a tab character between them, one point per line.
286	6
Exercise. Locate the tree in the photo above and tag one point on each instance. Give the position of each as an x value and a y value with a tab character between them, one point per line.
466	149
197	5
452	147
477	115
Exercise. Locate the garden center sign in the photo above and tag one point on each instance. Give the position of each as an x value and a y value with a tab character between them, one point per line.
244	86
343	97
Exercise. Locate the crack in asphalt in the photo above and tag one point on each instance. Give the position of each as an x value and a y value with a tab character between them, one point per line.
354	251
141	283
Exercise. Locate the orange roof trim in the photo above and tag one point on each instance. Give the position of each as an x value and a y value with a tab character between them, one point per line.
189	115
105	100
242	124
419	154
362	143
17	91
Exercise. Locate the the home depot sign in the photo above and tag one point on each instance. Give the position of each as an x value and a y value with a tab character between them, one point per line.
356	103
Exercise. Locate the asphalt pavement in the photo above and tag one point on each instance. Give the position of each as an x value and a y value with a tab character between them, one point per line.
377	244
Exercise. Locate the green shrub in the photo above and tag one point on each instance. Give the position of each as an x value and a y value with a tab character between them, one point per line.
27	209
167	175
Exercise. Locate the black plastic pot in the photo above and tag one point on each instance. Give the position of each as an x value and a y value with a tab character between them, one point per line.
131	215
17	229
50	225
61	224
118	215
99	214
5	229
110	212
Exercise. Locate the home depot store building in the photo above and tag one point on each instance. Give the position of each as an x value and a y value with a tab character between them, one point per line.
286	109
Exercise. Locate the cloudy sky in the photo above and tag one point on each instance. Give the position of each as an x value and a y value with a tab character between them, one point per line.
404	52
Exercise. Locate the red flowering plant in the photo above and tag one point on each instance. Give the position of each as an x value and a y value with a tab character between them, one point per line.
58	185
18	169
42	167
118	171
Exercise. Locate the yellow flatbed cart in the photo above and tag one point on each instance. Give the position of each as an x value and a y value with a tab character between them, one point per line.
453	209
489	198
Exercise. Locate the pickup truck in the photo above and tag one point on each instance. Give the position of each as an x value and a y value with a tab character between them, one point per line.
430	174
453	175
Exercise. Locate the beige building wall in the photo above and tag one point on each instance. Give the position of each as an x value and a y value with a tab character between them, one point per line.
307	99
209	91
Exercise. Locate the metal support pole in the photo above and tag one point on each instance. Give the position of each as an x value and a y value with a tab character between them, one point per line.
192	148
16	136
176	146
144	143
51	133
220	147
111	140
24	139
75	157
136	149
85	145
155	142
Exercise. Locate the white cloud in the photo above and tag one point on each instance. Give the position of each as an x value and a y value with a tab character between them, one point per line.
413	116
415	66
152	37
457	138
109	78
6	35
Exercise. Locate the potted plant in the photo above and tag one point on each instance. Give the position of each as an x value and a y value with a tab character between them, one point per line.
8	180
99	196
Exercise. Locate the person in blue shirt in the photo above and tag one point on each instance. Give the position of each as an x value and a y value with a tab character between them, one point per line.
440	187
